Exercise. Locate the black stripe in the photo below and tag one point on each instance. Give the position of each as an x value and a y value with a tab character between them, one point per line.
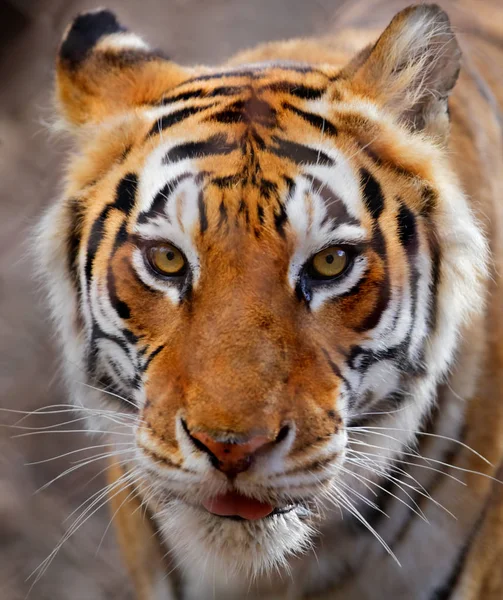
296	67
184	96
125	193
260	213
335	369
407	228
216	144
386	164
227	90
96	334
157	207
299	91
315	120
245	73
436	263
267	188
384	291
73	241
300	154
121	237
94	241
336	209
120	307
125	153
303	290
175	117
372	193
280	218
258	140
202	213
228	181
229	116
222	214
152	356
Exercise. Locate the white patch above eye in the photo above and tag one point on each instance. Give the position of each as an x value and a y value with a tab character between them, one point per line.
310	218
341	180
156	173
176	219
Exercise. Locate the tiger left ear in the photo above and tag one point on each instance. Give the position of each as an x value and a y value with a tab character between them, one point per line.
102	70
412	69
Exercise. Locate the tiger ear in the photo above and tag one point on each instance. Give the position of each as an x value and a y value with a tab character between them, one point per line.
412	68
102	70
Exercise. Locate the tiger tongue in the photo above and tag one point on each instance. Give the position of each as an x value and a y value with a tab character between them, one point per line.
234	504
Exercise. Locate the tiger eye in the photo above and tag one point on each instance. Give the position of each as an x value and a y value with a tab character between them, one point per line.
330	262
167	260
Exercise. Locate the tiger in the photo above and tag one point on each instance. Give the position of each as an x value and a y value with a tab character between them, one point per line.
277	287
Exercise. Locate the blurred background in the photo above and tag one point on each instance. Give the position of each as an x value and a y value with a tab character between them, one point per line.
31	159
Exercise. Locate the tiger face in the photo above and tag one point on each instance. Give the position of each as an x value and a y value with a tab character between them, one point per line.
257	259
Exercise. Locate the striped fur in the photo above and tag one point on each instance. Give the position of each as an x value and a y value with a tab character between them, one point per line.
251	169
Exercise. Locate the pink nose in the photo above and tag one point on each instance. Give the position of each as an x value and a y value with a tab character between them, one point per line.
230	458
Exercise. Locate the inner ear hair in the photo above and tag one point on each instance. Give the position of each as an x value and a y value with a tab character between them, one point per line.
412	68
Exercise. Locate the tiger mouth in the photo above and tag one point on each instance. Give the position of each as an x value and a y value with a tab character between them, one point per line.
238	507
279	510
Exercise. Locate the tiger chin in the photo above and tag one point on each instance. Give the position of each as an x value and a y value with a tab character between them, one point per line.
277	303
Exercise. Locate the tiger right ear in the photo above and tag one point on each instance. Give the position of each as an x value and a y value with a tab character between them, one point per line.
102	70
412	68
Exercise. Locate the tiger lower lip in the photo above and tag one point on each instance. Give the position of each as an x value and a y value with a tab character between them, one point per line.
283	510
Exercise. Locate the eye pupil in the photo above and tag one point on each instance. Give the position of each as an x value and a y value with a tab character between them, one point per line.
329	263
166	260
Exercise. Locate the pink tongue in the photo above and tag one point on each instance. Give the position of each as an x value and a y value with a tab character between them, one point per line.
234	504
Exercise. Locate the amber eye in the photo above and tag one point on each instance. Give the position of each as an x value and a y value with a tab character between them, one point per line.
167	260
329	263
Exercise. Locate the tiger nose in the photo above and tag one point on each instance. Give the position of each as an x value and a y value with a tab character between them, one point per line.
230	457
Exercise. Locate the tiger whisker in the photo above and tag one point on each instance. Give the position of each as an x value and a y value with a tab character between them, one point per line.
83	518
109	393
71	431
399	483
78	466
109	466
346	502
360	477
46	460
362	497
131	493
413	464
61	424
439	462
428	434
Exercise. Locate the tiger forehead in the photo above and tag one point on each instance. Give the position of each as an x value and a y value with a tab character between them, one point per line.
304	81
249	133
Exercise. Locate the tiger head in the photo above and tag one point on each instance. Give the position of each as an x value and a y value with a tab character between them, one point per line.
250	262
